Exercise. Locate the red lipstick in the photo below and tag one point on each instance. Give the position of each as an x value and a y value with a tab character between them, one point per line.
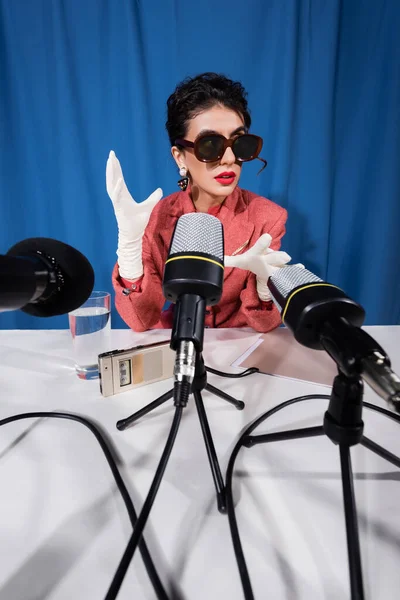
226	178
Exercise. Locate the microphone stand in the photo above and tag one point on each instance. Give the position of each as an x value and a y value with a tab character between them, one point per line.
199	384
343	425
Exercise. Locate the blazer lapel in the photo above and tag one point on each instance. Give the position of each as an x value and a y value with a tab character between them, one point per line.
238	230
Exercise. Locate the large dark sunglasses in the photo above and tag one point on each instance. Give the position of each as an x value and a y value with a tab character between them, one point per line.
211	147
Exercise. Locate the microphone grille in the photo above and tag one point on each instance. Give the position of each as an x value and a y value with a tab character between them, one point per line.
198	232
289	278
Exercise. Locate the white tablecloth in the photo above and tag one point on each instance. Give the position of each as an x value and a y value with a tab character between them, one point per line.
64	526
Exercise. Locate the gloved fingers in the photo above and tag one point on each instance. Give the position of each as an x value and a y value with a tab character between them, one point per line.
152	200
269	250
261	245
113	172
245	260
121	197
232	261
277	258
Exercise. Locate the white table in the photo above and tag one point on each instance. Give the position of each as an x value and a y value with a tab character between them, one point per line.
64	526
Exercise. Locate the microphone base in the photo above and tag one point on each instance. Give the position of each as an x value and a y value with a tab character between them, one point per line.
343	425
198	385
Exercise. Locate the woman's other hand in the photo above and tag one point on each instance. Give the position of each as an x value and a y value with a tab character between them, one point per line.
262	261
259	259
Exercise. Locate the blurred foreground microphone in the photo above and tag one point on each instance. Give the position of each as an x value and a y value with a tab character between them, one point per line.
44	278
322	317
193	279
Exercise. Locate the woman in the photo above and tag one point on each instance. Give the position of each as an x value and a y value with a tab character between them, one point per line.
208	123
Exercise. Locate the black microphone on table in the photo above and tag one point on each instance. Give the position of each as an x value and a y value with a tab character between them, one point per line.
321	316
44	278
193	279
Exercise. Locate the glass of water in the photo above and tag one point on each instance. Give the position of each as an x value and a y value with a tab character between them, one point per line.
90	326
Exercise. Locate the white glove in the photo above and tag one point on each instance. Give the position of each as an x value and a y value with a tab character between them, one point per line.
132	219
262	261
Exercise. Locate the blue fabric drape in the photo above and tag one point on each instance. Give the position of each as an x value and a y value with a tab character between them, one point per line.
323	76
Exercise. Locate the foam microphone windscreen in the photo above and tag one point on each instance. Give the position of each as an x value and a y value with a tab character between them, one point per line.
73	272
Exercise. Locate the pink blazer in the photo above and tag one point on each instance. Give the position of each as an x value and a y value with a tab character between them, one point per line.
245	217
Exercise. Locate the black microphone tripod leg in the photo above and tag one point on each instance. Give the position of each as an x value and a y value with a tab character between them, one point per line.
212	455
278	436
382	452
350	512
124	423
217	392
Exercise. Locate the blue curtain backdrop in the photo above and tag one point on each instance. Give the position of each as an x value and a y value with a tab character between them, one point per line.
323	76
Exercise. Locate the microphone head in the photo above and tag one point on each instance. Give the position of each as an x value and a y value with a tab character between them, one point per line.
198	232
285	280
73	272
195	264
306	303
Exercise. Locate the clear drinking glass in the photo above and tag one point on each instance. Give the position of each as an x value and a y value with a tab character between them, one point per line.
90	326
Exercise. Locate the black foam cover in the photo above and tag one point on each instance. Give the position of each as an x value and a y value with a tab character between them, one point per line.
75	275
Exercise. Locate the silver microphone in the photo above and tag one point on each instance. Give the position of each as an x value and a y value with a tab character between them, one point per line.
193	279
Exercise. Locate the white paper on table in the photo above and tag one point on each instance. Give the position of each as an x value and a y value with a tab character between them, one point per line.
278	353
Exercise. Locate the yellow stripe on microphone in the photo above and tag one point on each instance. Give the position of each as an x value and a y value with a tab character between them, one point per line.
196	258
305	287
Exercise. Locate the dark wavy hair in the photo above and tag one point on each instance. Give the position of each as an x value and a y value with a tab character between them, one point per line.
196	94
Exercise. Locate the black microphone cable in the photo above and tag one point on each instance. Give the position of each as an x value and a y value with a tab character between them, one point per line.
245	373
181	395
236	541
150	568
144	513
